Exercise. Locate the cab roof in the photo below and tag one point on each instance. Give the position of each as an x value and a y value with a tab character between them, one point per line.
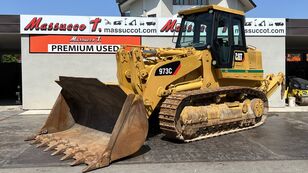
205	8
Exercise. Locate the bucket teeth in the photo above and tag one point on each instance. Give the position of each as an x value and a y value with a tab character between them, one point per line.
70	152
57	152
59	149
90	167
77	162
80	156
43	144
36	141
93	162
52	145
67	156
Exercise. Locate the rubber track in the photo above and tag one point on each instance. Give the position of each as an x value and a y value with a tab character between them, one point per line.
174	102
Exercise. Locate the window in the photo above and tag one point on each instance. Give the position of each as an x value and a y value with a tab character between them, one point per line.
152	15
188	34
190	2
237	34
222	40
306	57
293	57
126	13
196	31
222	30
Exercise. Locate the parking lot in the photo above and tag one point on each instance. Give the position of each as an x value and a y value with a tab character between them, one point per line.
281	144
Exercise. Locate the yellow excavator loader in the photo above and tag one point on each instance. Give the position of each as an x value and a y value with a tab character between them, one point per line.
211	84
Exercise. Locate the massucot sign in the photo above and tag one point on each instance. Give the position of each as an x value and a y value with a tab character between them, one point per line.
138	26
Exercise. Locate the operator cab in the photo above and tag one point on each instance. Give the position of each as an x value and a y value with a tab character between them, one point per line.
216	28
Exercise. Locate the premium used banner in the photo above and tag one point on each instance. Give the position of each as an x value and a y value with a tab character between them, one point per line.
79	43
134	26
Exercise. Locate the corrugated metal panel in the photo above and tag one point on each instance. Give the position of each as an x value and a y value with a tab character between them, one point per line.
9	24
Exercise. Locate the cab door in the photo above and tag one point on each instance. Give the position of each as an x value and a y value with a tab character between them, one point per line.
238	47
229	43
222	41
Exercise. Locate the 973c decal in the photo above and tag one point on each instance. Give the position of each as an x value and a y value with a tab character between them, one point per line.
168	69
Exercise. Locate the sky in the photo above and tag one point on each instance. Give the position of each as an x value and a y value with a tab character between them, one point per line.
280	8
265	8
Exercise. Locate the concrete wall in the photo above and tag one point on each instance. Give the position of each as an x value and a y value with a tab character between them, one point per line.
273	53
39	71
158	41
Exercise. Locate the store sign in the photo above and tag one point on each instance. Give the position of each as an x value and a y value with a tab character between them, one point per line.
141	26
265	26
79	43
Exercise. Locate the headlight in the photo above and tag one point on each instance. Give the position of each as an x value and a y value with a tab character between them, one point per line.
296	85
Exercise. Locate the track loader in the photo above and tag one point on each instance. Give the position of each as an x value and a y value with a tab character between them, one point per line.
210	84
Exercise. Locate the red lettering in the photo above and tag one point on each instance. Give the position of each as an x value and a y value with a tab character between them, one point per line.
62	27
50	26
56	27
75	28
34	23
177	28
95	22
82	27
169	26
43	27
69	27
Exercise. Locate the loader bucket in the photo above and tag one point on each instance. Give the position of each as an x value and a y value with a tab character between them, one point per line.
93	123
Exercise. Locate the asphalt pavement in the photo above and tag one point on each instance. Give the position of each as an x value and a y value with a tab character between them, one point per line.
280	145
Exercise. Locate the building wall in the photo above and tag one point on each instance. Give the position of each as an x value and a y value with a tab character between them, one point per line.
228	3
162	8
136	8
224	3
41	70
151	7
273	53
177	8
158	41
165	8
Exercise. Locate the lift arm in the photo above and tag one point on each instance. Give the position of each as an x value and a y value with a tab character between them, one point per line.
271	83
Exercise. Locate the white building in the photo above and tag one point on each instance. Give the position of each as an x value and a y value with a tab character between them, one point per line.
42	64
167	8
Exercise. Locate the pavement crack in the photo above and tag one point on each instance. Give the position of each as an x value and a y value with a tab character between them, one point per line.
5	118
278	156
292	120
